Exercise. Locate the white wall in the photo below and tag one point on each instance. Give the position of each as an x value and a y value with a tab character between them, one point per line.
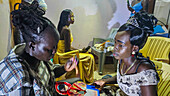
4	27
93	18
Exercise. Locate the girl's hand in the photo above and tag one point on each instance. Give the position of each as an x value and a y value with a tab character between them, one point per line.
71	64
99	84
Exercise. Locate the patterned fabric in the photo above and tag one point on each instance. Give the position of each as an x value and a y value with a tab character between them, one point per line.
130	84
17	77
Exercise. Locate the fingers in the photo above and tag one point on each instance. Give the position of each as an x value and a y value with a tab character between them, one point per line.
71	64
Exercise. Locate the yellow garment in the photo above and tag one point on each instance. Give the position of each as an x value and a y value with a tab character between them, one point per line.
86	63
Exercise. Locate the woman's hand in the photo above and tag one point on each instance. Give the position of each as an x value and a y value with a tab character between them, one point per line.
99	84
70	64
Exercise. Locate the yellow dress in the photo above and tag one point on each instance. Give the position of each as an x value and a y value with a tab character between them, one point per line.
86	64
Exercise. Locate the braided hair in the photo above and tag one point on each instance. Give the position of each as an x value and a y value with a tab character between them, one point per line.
63	19
30	21
140	26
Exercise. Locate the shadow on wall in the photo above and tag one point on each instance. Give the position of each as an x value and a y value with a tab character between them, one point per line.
93	24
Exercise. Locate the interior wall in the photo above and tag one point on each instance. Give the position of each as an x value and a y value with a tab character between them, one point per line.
93	18
4	27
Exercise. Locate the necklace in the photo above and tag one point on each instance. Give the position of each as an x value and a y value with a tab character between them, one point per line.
128	68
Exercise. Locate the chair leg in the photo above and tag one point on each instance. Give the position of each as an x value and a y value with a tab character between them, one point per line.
101	62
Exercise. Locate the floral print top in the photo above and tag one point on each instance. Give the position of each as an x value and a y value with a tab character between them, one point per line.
130	84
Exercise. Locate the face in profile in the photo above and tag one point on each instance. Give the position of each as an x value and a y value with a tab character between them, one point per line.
71	18
47	46
122	47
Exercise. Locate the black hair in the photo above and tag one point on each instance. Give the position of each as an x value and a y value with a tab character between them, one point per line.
30	21
139	26
137	35
63	19
146	21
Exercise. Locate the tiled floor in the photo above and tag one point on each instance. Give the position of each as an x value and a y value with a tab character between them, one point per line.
108	69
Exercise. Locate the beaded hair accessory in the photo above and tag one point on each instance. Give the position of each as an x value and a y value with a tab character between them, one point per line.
38	30
132	20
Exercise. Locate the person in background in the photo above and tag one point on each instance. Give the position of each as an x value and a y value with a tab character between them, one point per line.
65	45
136	75
139	5
27	70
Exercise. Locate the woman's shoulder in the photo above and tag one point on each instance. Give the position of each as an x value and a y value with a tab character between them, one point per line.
144	65
65	28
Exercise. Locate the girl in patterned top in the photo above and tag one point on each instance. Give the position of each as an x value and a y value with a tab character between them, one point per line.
136	76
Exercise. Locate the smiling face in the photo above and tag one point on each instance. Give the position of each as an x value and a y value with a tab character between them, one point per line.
122	47
46	48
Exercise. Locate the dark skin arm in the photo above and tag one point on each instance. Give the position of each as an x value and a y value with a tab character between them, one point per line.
102	82
149	90
65	35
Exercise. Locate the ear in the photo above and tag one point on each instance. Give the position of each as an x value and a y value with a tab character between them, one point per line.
135	48
32	45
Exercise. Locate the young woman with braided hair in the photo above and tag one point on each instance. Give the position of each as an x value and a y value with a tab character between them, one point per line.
87	62
27	70
136	75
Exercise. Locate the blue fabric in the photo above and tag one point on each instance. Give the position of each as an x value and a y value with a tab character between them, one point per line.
137	7
93	88
161	35
158	29
106	76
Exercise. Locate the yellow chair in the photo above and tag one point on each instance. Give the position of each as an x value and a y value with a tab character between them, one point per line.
157	48
164	75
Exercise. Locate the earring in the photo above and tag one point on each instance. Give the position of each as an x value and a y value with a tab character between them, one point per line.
133	53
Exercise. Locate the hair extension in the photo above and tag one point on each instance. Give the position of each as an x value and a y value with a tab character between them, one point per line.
63	19
29	19
139	25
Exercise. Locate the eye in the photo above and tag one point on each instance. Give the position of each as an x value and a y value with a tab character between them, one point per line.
120	45
115	41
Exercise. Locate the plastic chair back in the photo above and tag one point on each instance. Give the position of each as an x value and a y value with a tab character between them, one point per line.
164	75
156	47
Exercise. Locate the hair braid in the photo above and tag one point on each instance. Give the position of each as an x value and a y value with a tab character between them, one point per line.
29	20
